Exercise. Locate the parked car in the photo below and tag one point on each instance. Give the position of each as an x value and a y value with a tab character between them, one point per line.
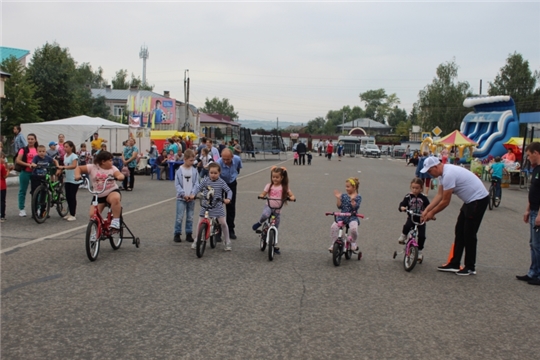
372	150
385	150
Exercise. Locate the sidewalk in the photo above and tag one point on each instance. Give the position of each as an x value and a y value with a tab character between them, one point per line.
12	180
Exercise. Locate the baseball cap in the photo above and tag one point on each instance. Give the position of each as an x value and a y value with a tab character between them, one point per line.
429	163
52	143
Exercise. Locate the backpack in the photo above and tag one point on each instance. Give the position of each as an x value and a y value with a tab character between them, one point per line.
18	167
117	161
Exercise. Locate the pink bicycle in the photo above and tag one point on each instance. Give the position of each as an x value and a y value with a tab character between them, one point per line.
342	246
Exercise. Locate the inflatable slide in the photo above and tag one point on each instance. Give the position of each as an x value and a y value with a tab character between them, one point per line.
492	123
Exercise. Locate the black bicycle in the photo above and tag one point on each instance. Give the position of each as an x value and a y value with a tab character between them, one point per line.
49	193
494	201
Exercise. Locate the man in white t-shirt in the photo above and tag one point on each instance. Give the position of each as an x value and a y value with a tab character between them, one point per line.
469	188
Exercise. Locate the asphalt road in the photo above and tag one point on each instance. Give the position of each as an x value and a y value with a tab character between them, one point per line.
161	302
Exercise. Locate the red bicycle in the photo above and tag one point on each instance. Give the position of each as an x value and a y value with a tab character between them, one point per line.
98	228
209	228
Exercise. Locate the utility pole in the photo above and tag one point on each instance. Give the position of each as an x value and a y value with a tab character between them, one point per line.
342	123
186	98
144	54
480	87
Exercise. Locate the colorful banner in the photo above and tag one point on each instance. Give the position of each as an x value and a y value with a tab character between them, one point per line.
163	112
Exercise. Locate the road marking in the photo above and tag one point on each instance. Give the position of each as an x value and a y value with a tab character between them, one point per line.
35	241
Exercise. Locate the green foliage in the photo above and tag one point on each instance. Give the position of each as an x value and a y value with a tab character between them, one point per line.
334	118
52	70
217	106
315	126
441	102
99	108
120	80
402	129
21	105
378	104
516	79
137	82
396	115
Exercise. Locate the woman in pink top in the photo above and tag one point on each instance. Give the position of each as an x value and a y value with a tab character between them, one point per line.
24	158
98	172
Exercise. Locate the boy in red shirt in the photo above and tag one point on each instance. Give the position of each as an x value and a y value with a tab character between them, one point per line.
329	149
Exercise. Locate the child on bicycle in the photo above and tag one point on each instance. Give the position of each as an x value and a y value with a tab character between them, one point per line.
40	165
415	201
347	203
214	184
497	170
98	172
278	188
185	177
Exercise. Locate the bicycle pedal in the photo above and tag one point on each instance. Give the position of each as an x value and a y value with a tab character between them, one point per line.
258	231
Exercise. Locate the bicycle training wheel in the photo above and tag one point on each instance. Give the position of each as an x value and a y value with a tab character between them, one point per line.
336	254
201	240
410	258
40	204
263	239
92	240
61	202
271	243
491	197
117	236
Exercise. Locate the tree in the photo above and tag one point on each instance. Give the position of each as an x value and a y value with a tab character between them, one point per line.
378	104
516	79
137	82
334	118
52	70
396	115
441	102
315	126
99	108
217	106
21	105
85	76
120	80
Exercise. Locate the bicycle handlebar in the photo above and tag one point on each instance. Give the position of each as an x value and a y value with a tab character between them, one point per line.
274	199
413	214
87	182
361	216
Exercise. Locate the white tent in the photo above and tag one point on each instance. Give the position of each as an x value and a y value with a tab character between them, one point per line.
80	129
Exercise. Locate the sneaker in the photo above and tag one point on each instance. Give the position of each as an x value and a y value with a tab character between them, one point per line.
448	268
189	238
232	235
401	239
177	238
420	256
256	226
228	247
524	278
22	213
277	251
65	217
534	282
194	245
115	224
73	218
497	199
466	271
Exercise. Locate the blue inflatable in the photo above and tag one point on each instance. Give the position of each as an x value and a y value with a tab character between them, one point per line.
492	123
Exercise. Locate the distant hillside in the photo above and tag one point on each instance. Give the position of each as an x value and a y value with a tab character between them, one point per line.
266	125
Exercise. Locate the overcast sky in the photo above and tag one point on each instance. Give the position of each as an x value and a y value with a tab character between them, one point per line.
295	61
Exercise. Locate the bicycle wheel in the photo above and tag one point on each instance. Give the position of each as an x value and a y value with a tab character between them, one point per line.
92	240
61	202
496	202
40	204
201	240
263	239
348	254
491	197
336	253
410	258
117	237
215	234
271	243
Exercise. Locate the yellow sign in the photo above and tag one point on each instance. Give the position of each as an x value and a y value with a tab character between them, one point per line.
437	131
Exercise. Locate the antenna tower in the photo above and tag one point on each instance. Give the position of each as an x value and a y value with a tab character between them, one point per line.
144	54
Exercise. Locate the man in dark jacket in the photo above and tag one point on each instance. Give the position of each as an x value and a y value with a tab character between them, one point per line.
301	149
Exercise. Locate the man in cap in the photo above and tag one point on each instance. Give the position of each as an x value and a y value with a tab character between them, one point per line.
469	188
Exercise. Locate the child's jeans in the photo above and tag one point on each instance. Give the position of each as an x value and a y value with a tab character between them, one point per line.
498	190
181	208
353	232
266	214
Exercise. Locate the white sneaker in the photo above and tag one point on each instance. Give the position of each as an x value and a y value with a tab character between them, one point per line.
194	245
22	213
228	247
65	217
115	224
420	256
401	239
71	218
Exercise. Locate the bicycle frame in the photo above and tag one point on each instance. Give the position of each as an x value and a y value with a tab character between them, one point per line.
102	224
209	221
